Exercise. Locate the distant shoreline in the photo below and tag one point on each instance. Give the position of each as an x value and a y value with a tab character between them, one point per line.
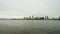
24	19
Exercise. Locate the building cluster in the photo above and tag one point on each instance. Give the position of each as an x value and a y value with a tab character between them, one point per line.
41	18
34	18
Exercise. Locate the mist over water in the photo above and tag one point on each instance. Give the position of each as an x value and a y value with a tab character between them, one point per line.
29	27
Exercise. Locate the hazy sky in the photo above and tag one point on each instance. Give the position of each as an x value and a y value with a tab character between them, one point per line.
17	8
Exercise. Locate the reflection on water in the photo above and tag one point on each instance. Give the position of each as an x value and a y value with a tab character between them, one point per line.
29	27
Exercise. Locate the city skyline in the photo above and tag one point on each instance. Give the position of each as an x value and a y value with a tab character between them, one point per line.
21	8
33	18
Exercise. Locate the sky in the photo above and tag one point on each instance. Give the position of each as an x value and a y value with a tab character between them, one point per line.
20	8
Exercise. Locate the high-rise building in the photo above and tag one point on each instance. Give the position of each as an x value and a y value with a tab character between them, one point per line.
32	16
29	17
46	17
59	17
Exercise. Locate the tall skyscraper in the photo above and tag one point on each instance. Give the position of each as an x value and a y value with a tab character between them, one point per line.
46	17
59	17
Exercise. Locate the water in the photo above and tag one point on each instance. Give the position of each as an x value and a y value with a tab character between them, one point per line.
29	27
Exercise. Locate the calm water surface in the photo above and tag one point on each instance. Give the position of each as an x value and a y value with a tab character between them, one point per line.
29	27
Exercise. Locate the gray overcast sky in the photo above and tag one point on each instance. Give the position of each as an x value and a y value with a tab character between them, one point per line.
15	8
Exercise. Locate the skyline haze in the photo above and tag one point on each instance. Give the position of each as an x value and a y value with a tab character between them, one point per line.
20	8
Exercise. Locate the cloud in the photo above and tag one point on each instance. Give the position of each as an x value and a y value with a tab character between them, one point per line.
29	7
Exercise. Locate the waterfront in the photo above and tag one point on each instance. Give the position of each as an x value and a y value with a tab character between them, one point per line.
29	26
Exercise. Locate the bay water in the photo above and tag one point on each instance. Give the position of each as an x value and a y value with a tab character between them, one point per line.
29	26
